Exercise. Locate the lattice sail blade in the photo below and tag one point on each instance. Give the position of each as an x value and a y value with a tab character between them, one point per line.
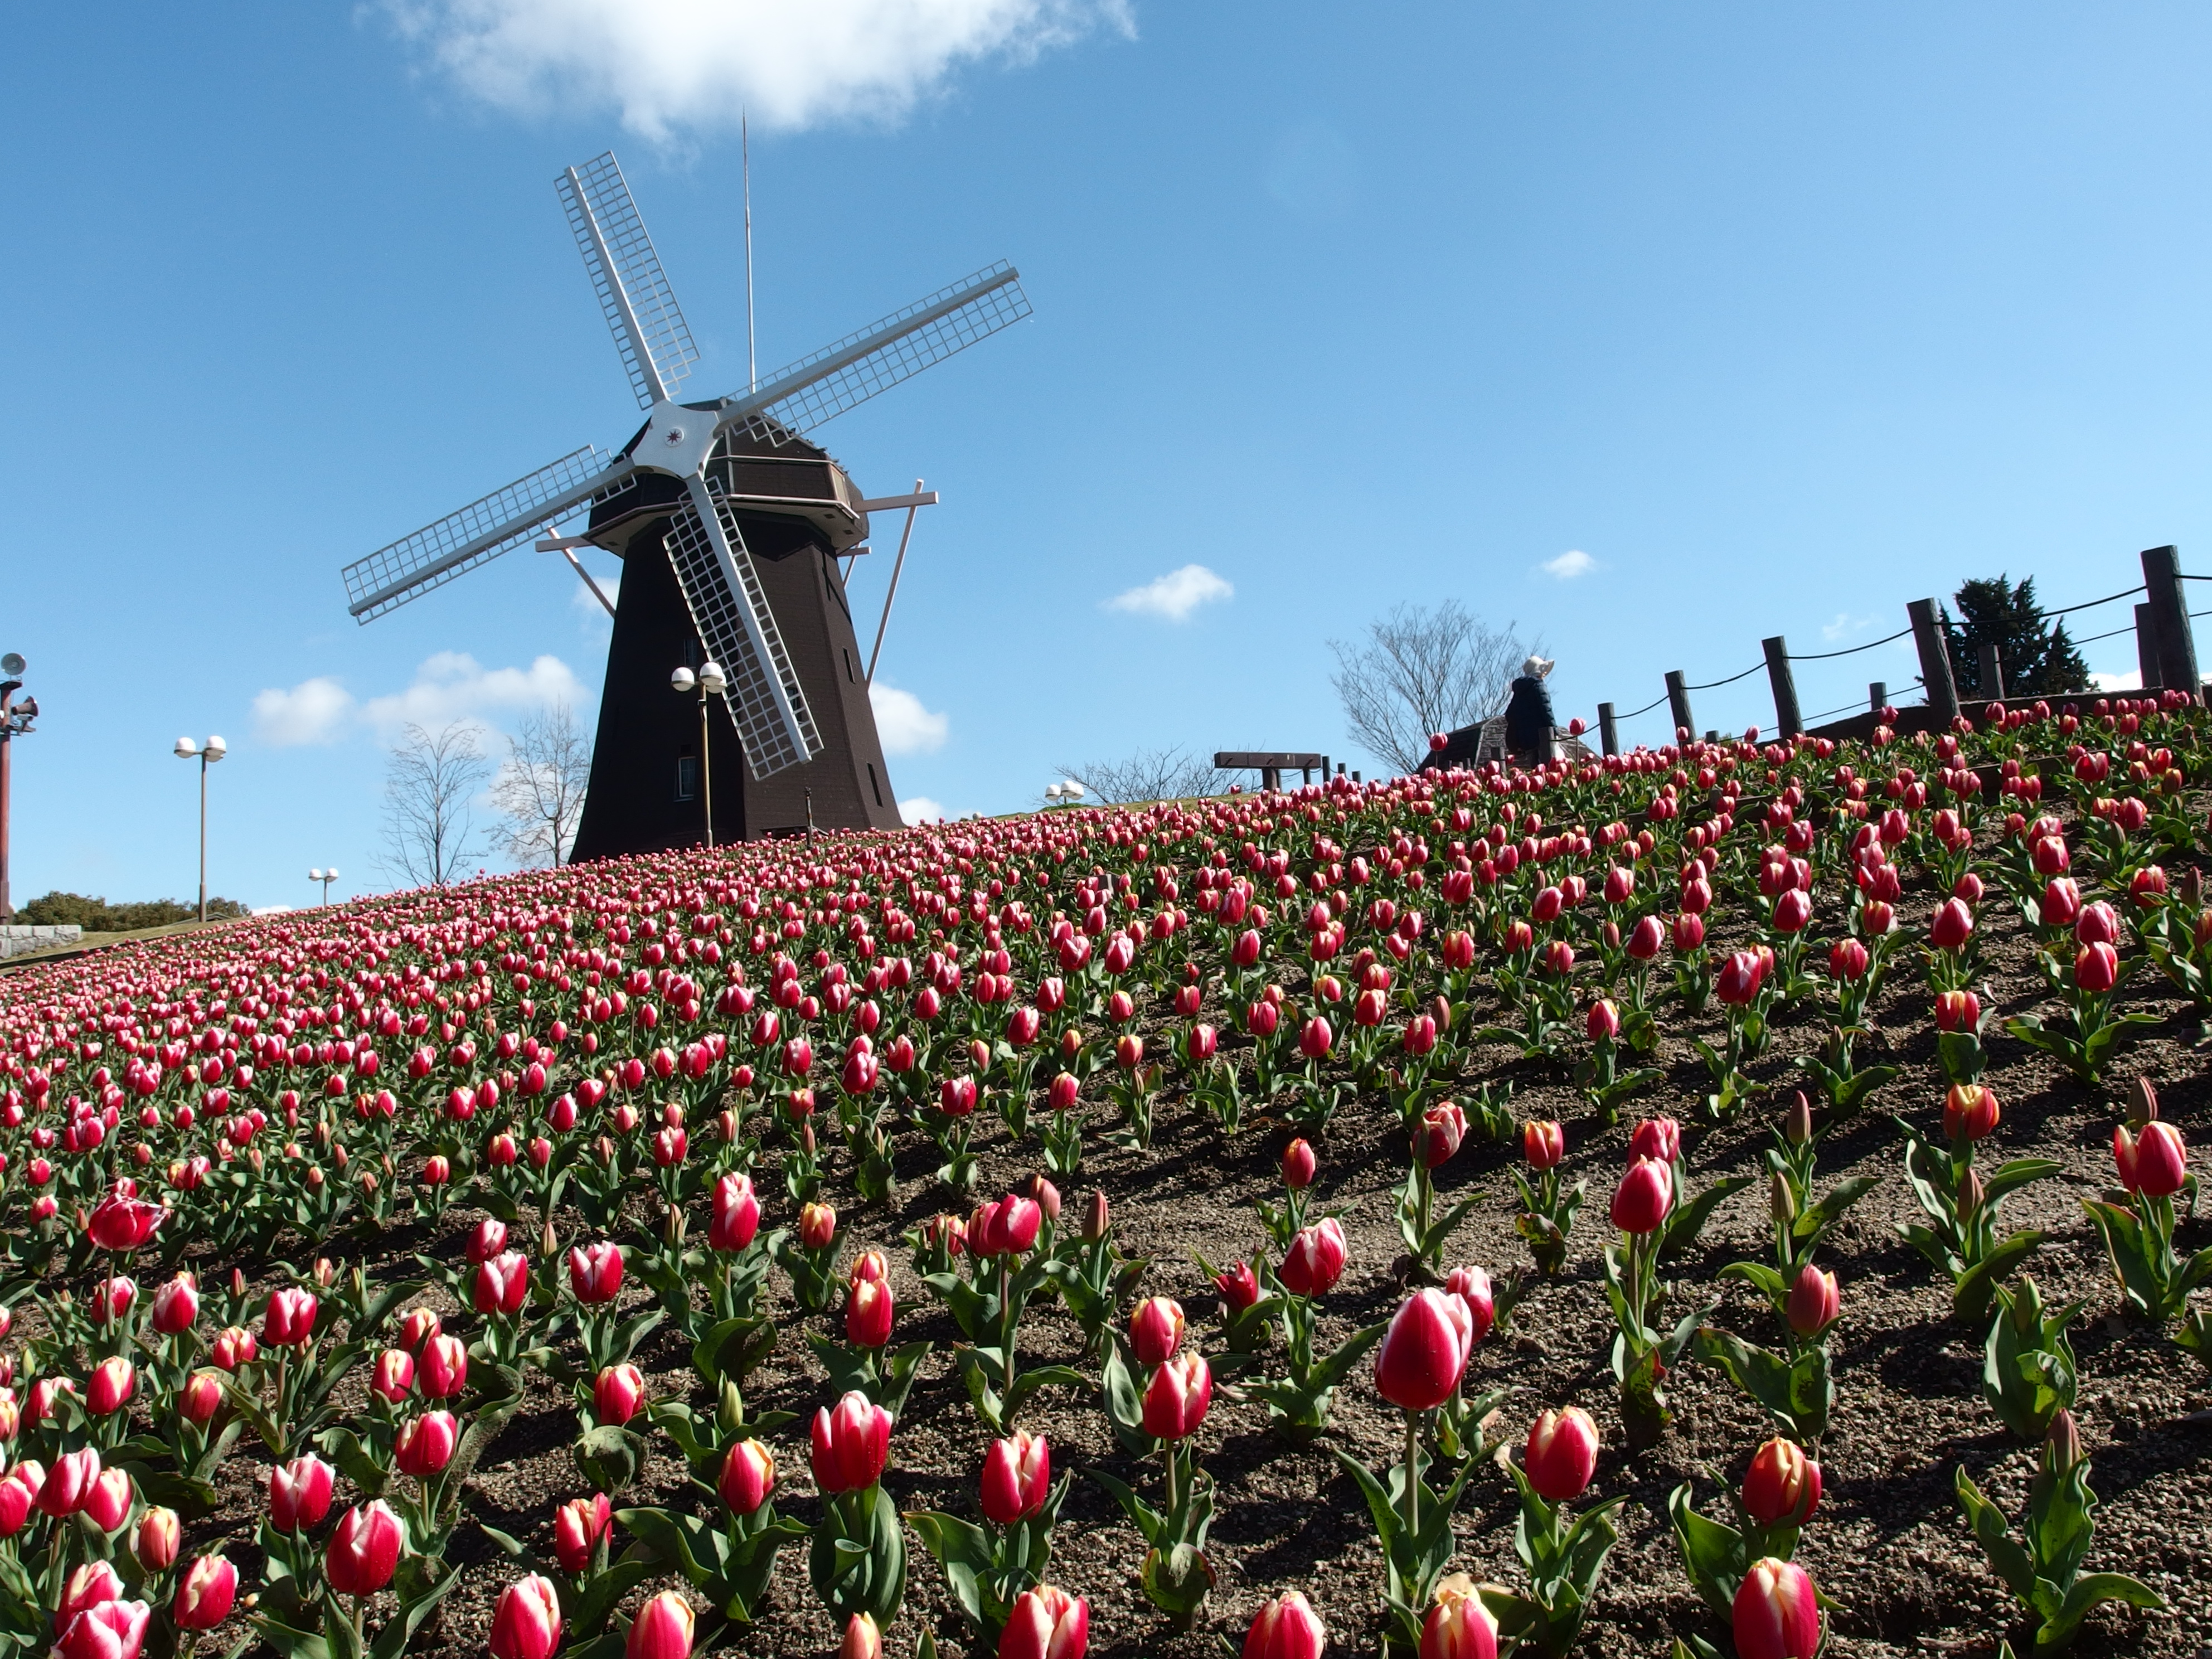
839	377
728	607
480	531
649	330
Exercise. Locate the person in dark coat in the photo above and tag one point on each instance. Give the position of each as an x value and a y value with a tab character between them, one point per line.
1529	715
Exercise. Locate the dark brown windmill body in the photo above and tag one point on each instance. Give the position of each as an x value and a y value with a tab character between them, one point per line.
731	526
795	507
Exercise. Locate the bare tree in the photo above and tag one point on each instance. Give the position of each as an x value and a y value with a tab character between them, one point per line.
428	783
539	791
1148	775
1421	669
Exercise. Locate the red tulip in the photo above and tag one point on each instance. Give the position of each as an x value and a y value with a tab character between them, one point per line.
578	1527
90	1584
2097	969
1315	1259
177	1305
1443	1127
1285	1628
1176	1400
201	1397
1689	933
595	1273
1424	1352
1046	1623
1472	1286
1848	960
2098	924
851	1444
1239	1286
299	1493
1814	1303
503	1284
748	1478
1776	1614
112	1385
121	1223
156	1541
1156	1327
817	1226
1561	1455
1016	1478
444	1367
488	1241
1793	911
425	1446
1006	1227
1299	1166
112	1629
526	1623
1645	1196
868	1309
107	1504
1315	1039
206	1594
618	1393
1740	978
289	1319
2062	902
662	1629
1958	1011
70	1481
2154	1161
1645	938
1459	1625
737	1214
863	1638
1543	1144
1656	1137
364	1549
1781	1486
1970	1112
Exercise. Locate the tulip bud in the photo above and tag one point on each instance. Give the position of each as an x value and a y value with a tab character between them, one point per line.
1814	1304
1300	1165
1459	1625
1781	1202
1776	1614
1156	1327
1782	1484
1046	1623
748	1477
662	1629
156	1541
1016	1478
1561	1455
206	1594
1285	1628
1424	1352
526	1623
1797	1126
1096	1217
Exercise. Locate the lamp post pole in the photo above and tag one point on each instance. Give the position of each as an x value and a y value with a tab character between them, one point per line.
709	681
13	717
206	753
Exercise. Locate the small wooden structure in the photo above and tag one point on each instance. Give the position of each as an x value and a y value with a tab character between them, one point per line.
1270	765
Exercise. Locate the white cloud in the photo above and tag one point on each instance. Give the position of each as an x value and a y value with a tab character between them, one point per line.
1844	625
691	65
314	711
2130	681
1175	595
919	809
905	727
1570	564
454	686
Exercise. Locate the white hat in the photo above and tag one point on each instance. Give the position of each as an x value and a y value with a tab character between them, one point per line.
1536	668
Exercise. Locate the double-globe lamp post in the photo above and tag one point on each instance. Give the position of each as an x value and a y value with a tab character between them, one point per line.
708	682
206	754
14	718
325	877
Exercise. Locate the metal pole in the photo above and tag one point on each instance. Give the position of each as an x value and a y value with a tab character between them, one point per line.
7	749
706	769
1787	724
203	832
2177	644
2146	646
1877	696
1935	660
1678	705
752	358
1609	734
897	565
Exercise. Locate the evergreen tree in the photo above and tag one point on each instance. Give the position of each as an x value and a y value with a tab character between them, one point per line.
2037	657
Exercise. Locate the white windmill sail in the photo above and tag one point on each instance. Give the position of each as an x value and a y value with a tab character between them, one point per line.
649	330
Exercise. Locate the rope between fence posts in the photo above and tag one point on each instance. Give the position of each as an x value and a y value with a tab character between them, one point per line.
1823	656
2091	604
2115	632
1731	680
1646	709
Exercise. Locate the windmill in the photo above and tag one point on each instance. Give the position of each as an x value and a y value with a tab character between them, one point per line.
731	525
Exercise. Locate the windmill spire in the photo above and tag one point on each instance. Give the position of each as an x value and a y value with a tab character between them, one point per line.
745	149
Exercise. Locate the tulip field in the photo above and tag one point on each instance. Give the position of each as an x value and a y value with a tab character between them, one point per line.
1729	1199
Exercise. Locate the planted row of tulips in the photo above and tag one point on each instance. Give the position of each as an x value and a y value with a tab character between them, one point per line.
620	1064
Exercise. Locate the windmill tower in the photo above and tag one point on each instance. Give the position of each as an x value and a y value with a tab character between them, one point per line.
730	524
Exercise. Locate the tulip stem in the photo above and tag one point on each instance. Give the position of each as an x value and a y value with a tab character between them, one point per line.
1168	1455
1413	1476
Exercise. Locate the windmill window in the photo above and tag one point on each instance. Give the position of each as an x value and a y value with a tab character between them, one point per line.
687	777
876	787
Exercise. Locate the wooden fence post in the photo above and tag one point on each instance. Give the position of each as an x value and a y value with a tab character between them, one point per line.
2146	647
1609	732
1935	660
1993	685
2169	609
1787	724
1678	703
1877	696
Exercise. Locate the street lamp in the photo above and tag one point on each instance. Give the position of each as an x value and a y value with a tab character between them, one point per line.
13	717
709	683
325	877
207	754
1069	790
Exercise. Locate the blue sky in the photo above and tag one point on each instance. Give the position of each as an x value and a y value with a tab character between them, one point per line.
1780	317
